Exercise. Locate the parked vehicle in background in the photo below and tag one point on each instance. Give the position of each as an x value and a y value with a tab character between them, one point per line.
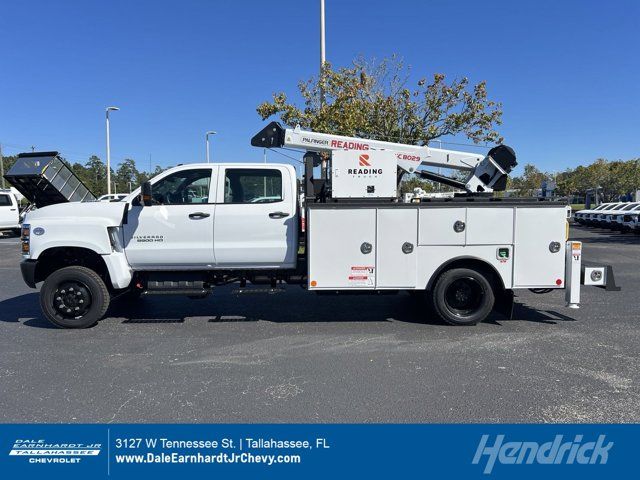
9	213
629	220
594	218
582	215
601	219
112	197
615	219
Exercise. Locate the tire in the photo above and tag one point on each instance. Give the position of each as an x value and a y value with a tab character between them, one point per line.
462	296
74	290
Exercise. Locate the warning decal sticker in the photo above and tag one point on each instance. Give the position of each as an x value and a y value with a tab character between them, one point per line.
362	276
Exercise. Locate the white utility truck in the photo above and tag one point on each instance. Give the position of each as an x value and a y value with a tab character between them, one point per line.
198	226
9	212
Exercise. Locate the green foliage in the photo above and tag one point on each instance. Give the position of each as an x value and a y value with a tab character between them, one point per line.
614	178
410	183
376	100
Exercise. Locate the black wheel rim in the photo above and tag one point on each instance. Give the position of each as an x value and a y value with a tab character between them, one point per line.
464	296
71	299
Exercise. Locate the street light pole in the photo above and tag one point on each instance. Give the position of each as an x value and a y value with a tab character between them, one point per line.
210	132
2	167
108	109
323	166
322	50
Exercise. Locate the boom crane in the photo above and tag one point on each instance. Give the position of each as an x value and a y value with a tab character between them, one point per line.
366	168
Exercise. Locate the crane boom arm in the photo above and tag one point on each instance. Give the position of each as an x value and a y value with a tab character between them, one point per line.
486	173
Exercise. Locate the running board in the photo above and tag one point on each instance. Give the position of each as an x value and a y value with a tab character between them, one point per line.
190	292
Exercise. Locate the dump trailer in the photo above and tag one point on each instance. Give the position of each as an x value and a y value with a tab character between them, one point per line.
198	226
44	179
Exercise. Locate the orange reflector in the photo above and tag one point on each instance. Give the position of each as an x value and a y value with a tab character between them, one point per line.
313	283
576	246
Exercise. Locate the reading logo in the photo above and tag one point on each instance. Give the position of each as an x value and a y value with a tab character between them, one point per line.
555	452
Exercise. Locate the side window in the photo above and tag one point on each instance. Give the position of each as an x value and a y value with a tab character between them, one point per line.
252	185
5	201
184	187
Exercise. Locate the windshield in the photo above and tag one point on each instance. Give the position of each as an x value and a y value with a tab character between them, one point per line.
630	206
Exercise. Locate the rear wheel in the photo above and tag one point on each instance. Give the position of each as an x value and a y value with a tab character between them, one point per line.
462	296
74	297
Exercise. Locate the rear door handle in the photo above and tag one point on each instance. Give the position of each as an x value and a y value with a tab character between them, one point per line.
278	215
199	215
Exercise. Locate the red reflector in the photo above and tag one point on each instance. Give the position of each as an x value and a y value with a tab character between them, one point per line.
558	282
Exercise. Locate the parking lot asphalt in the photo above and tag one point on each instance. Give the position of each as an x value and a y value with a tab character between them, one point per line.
297	357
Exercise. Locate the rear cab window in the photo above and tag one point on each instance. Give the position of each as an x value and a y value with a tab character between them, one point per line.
252	186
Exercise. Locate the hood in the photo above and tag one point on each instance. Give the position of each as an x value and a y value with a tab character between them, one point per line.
109	213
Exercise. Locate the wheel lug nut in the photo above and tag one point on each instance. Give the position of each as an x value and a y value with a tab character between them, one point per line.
59	299
71	289
77	308
68	310
81	301
78	293
63	291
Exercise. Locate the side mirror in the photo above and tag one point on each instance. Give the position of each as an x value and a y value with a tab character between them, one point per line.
145	194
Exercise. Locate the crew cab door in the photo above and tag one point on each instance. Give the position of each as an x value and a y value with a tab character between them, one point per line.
177	230
256	224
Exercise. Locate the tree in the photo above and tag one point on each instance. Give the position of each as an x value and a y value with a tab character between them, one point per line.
377	100
530	181
127	176
410	183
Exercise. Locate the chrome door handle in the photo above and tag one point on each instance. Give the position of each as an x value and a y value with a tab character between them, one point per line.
199	215
278	215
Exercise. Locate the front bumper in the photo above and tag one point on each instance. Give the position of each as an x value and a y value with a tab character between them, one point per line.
28	269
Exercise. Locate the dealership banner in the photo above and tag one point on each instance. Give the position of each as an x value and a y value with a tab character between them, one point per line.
317	451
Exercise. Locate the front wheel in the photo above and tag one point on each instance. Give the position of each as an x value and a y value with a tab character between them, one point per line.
462	296
74	297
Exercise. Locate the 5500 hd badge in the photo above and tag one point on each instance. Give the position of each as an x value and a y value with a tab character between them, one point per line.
148	238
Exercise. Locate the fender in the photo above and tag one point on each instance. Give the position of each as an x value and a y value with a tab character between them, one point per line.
463	261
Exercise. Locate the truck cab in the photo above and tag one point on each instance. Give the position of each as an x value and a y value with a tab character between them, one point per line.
201	225
205	216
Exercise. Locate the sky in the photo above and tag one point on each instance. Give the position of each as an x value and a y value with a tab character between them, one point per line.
566	72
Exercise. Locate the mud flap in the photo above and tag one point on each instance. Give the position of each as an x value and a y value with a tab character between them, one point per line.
504	303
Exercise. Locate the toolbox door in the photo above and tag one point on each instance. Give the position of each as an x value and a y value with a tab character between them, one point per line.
342	248
397	235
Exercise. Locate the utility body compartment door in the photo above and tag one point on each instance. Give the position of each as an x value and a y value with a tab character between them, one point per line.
535	265
437	226
342	248
397	250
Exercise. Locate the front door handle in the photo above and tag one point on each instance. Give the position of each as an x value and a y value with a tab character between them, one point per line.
199	215
278	215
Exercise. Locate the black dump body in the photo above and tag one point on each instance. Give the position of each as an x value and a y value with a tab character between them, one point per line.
44	179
